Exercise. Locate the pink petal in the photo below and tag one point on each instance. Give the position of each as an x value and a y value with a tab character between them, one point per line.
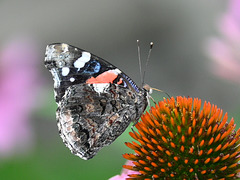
226	62
234	8
18	88
230	28
124	173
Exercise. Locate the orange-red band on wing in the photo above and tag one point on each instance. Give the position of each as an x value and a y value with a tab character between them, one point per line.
106	77
120	81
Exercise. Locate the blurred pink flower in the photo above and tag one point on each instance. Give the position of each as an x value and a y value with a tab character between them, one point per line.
224	50
124	173
18	88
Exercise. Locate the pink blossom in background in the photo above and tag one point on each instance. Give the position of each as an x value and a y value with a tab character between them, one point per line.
18	91
224	50
124	173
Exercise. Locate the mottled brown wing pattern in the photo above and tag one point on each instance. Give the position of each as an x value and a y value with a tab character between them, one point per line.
87	120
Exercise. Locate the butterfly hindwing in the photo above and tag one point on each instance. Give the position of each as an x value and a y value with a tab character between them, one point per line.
89	120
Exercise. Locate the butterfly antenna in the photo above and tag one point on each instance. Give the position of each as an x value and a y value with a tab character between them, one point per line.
139	60
148	58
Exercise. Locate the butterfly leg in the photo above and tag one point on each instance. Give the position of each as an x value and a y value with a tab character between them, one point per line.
150	97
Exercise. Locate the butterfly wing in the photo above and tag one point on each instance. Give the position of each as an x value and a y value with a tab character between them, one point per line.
89	120
96	101
70	65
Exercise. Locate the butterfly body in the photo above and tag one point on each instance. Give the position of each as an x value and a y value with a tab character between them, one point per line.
96	101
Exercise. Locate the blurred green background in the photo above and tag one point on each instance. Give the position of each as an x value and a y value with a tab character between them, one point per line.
181	64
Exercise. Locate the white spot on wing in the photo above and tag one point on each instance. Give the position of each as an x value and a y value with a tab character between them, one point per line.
72	79
116	71
100	87
80	62
86	54
65	71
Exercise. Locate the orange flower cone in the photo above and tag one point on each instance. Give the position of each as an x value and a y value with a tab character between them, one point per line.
179	140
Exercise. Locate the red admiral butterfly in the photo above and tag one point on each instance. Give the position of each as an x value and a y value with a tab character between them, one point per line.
96	101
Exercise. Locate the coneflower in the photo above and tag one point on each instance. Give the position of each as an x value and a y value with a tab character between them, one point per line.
179	140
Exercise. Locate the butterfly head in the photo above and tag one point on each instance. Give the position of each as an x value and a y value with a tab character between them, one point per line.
148	89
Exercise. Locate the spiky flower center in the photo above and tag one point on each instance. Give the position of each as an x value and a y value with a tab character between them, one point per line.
178	140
